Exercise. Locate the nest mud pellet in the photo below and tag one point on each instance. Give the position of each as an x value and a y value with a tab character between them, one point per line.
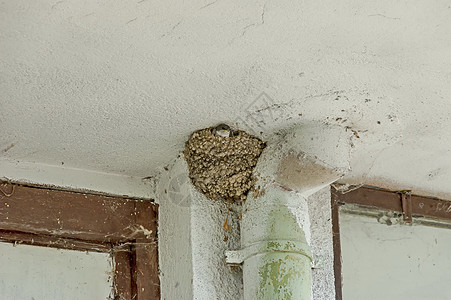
221	167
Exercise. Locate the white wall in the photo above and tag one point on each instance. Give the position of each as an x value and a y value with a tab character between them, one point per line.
73	179
394	262
41	273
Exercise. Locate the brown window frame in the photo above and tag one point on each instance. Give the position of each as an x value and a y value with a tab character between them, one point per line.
122	226
374	198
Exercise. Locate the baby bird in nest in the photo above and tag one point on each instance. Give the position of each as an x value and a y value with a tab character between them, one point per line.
223	130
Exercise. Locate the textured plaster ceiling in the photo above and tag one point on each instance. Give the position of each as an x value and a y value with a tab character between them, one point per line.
118	86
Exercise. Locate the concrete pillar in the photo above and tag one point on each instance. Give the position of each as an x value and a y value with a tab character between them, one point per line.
192	240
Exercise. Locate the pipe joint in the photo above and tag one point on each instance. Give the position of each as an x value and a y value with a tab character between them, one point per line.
271	246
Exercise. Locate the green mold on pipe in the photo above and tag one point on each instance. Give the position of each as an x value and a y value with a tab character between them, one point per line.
276	256
285	269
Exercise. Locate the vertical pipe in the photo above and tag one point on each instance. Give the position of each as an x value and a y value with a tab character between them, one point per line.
277	262
275	226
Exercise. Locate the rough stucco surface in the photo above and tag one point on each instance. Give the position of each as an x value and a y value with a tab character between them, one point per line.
213	278
192	240
320	212
118	86
174	234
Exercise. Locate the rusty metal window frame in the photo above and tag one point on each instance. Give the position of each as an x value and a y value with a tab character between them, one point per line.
372	201
124	227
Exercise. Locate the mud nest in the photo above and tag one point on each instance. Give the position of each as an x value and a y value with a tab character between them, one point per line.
221	166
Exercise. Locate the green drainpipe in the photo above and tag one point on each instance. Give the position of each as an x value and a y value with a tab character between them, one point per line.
276	256
275	224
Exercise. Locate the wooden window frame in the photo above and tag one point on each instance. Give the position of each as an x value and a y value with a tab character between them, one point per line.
437	211
124	227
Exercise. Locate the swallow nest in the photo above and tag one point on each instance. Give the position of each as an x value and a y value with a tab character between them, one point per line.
221	167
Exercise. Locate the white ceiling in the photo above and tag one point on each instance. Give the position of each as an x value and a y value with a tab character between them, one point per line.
118	86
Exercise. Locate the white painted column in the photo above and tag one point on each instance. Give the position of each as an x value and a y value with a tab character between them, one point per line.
192	240
174	233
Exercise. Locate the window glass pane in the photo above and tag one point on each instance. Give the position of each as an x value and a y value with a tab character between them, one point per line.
41	273
394	262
